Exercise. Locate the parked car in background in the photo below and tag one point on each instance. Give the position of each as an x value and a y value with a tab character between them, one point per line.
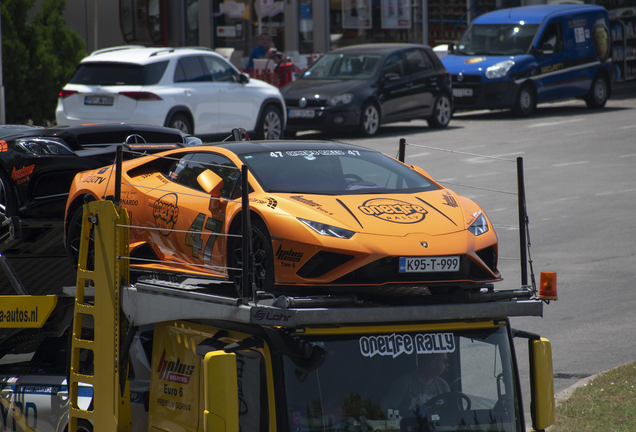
364	86
192	89
515	58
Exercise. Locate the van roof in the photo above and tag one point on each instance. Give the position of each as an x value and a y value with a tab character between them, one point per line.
532	14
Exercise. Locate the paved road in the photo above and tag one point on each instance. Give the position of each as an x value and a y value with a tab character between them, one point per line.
581	183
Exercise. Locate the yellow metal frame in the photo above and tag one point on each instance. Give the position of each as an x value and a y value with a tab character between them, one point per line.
110	406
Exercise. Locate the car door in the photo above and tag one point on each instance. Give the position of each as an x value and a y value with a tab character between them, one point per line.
236	100
555	79
395	94
422	82
188	220
199	93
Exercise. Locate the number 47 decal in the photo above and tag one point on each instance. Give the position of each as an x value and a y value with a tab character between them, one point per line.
193	238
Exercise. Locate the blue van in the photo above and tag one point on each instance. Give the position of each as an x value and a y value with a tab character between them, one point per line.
515	58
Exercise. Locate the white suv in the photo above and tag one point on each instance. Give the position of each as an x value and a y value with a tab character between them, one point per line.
191	89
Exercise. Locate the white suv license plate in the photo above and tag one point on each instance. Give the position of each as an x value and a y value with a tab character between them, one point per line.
429	264
99	100
460	92
293	113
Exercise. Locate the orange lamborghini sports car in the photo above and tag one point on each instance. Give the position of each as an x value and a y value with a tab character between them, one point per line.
324	215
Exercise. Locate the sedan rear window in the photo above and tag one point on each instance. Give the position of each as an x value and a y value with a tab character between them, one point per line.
344	67
118	74
334	172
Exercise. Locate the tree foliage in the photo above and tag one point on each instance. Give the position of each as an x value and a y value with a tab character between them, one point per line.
39	56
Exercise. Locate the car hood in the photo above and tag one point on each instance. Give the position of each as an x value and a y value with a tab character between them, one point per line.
477	65
324	88
434	212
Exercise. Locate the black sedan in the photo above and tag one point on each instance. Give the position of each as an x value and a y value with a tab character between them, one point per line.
364	86
37	166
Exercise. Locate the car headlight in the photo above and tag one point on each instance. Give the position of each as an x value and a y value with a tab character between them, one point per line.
342	99
499	70
328	230
41	146
479	226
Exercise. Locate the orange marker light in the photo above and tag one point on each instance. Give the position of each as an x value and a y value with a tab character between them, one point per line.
548	287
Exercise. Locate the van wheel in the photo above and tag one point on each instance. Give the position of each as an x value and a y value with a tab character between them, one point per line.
441	113
597	97
179	121
526	101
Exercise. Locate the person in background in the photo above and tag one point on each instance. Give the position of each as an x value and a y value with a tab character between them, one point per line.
260	51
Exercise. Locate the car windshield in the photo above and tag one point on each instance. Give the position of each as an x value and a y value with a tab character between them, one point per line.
497	39
111	74
344	67
373	382
333	172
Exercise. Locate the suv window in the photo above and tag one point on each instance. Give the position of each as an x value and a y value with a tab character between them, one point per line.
105	74
220	71
190	69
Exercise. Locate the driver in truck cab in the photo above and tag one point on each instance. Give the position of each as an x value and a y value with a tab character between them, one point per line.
413	389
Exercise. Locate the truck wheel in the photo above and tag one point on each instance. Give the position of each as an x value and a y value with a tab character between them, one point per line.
526	101
271	125
597	97
263	258
441	113
73	237
369	120
8	205
181	122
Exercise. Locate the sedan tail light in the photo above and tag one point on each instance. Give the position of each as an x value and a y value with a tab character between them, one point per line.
141	96
63	94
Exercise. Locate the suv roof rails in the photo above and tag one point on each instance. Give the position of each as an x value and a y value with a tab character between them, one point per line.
116	48
173	49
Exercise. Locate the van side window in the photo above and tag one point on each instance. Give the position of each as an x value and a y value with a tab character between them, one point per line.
553	35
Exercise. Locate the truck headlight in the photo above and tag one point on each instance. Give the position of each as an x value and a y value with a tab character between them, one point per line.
480	226
342	99
328	230
499	70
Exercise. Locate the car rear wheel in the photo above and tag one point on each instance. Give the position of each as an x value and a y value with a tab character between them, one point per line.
526	101
8	206
271	125
597	97
73	238
181	122
263	258
370	120
441	112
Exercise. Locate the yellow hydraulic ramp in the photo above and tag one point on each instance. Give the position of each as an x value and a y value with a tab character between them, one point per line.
104	239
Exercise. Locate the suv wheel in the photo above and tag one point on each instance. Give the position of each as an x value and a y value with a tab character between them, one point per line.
271	125
181	122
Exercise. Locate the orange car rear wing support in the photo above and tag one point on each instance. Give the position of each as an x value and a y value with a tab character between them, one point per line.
118	169
246	270
523	223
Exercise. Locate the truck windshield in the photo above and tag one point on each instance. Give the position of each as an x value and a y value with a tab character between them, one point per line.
497	39
422	381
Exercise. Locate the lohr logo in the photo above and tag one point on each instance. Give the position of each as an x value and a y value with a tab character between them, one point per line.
174	371
392	210
165	211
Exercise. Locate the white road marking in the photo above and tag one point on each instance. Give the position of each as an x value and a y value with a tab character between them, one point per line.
570	163
482	175
418	155
577	133
554	123
627	155
562	199
628	127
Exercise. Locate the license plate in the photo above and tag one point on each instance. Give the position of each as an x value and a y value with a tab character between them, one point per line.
99	100
301	114
462	92
429	264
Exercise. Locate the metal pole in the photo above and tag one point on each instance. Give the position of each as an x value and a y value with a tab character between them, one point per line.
247	231
402	149
12	276
523	219
118	169
2	110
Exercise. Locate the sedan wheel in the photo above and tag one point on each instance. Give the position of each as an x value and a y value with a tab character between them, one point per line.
370	121
441	113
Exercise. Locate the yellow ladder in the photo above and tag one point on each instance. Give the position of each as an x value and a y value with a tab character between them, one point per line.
110	406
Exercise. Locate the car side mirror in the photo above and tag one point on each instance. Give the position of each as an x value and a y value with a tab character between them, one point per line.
451	48
391	76
547	49
244	78
212	185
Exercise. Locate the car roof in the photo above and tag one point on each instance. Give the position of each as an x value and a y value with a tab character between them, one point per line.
531	14
248	147
143	55
379	48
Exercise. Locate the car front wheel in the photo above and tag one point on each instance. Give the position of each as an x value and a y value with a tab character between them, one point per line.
271	125
526	101
442	112
7	201
262	251
73	239
597	98
369	120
